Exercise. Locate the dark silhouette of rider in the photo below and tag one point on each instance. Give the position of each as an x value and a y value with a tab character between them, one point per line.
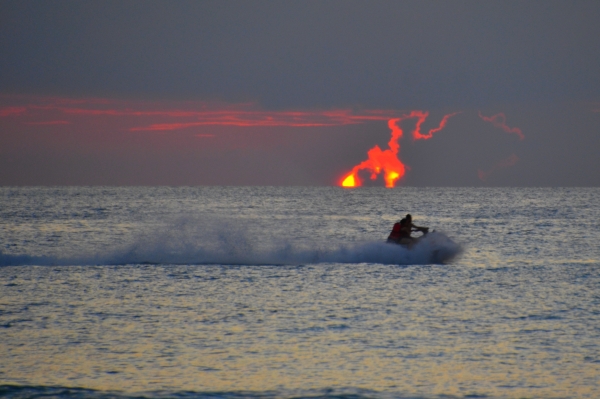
411	227
401	232
398	232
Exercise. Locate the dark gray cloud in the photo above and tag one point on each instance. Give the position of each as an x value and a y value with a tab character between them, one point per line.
404	54
535	61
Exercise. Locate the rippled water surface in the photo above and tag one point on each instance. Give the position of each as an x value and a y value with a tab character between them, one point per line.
291	292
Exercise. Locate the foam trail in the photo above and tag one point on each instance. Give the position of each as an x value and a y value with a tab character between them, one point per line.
434	248
22	259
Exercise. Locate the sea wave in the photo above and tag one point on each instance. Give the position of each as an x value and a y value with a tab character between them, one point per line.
32	392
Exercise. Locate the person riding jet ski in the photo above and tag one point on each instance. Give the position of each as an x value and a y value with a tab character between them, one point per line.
401	232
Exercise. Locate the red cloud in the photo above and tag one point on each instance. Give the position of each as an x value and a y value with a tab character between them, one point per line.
505	163
10	111
168	116
49	123
499	120
265	118
417	132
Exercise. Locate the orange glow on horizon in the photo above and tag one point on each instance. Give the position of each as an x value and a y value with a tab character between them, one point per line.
194	119
387	160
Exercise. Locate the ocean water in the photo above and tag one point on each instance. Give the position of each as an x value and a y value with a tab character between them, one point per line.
267	292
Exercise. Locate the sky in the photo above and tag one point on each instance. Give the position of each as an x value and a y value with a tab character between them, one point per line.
390	93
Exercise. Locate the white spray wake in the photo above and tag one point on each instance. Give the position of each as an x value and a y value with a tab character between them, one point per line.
225	243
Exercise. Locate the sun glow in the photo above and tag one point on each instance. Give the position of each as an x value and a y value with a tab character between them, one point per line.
349	181
387	160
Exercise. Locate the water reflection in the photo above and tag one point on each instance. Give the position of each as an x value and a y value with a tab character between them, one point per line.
422	330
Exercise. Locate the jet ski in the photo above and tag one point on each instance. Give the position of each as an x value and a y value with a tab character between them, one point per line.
408	242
